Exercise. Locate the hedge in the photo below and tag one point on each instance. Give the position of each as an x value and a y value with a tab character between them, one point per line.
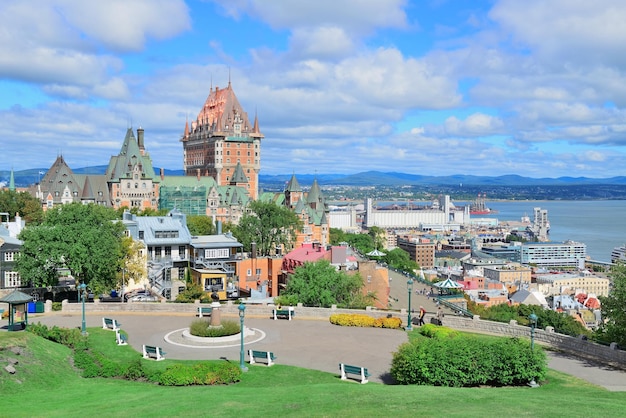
468	361
362	320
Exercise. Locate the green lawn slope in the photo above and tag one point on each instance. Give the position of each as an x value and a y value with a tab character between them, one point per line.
47	385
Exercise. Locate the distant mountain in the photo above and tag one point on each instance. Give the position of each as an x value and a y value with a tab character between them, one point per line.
377	178
25	178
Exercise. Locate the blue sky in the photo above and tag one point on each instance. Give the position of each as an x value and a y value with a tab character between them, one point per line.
433	87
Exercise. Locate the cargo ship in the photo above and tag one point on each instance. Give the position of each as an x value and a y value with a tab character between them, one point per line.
479	207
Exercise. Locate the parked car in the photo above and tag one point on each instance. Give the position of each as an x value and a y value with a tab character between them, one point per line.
143	298
134	293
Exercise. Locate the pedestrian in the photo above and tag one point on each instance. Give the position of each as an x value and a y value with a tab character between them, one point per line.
439	315
421	316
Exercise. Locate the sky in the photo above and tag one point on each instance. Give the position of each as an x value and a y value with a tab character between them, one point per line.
432	87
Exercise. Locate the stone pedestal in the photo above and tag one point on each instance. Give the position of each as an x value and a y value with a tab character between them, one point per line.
216	315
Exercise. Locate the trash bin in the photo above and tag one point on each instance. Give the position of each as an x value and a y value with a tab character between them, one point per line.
39	307
31	307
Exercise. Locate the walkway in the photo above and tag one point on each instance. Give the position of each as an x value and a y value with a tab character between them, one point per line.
310	344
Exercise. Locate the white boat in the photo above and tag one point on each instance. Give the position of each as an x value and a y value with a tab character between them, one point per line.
619	254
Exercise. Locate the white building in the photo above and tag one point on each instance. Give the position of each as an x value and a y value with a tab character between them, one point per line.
568	254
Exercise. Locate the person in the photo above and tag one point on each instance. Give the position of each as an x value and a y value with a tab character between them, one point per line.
421	316
439	315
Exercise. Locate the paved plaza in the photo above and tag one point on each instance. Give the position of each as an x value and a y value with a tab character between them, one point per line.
312	344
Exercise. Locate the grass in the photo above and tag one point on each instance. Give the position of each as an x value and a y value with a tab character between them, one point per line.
46	385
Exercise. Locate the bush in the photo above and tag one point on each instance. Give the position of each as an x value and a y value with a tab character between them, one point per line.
57	306
204	373
362	320
200	328
69	337
435	331
464	361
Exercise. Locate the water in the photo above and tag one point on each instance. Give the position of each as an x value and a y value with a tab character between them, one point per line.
601	224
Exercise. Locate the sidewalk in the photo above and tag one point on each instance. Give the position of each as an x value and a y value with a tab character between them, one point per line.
311	344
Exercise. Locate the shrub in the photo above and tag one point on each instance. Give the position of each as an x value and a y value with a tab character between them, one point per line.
435	331
468	361
134	371
200	328
362	320
70	337
204	373
57	306
286	300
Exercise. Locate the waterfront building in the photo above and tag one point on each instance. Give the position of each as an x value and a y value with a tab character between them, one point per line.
509	274
568	254
221	138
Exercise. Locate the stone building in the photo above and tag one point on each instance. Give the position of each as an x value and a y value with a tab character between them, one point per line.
220	139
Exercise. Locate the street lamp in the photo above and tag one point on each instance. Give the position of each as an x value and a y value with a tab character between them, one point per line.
83	294
242	313
533	323
409	287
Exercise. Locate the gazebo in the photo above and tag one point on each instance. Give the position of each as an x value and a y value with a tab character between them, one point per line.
448	284
18	312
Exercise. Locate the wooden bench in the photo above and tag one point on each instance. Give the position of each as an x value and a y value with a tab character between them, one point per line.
346	369
266	355
120	338
284	313
150	351
204	311
112	324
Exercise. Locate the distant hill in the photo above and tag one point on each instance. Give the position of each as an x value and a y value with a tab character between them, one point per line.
25	178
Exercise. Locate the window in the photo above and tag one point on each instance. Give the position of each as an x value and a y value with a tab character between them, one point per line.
140	234
181	252
168	251
9	256
258	272
12	279
249	272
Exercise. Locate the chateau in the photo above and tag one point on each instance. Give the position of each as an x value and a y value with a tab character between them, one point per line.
221	160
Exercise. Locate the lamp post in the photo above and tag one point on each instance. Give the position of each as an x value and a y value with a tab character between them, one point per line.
533	323
83	294
409	287
242	313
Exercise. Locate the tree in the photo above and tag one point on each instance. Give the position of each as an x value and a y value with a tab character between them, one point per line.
377	235
27	206
200	225
269	226
400	260
320	284
82	238
613	328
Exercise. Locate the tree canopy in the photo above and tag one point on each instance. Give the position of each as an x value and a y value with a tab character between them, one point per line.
28	207
200	225
613	328
85	239
320	284
269	226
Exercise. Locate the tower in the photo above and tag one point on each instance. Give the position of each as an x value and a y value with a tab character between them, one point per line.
222	143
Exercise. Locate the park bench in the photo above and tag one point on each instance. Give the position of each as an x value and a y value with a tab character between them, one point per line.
283	313
346	369
120	339
112	324
204	311
266	355
150	351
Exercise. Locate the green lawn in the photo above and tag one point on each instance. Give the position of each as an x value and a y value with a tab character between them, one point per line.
46	385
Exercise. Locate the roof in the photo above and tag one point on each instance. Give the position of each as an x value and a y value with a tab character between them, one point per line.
16	297
307	253
215	241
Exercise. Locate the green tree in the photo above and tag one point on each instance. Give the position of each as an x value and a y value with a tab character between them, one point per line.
337	236
400	260
269	226
377	234
27	206
613	328
200	225
320	284
82	238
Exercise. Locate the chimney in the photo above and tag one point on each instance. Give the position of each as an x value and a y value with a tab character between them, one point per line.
198	174
253	250
140	140
162	173
218	226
